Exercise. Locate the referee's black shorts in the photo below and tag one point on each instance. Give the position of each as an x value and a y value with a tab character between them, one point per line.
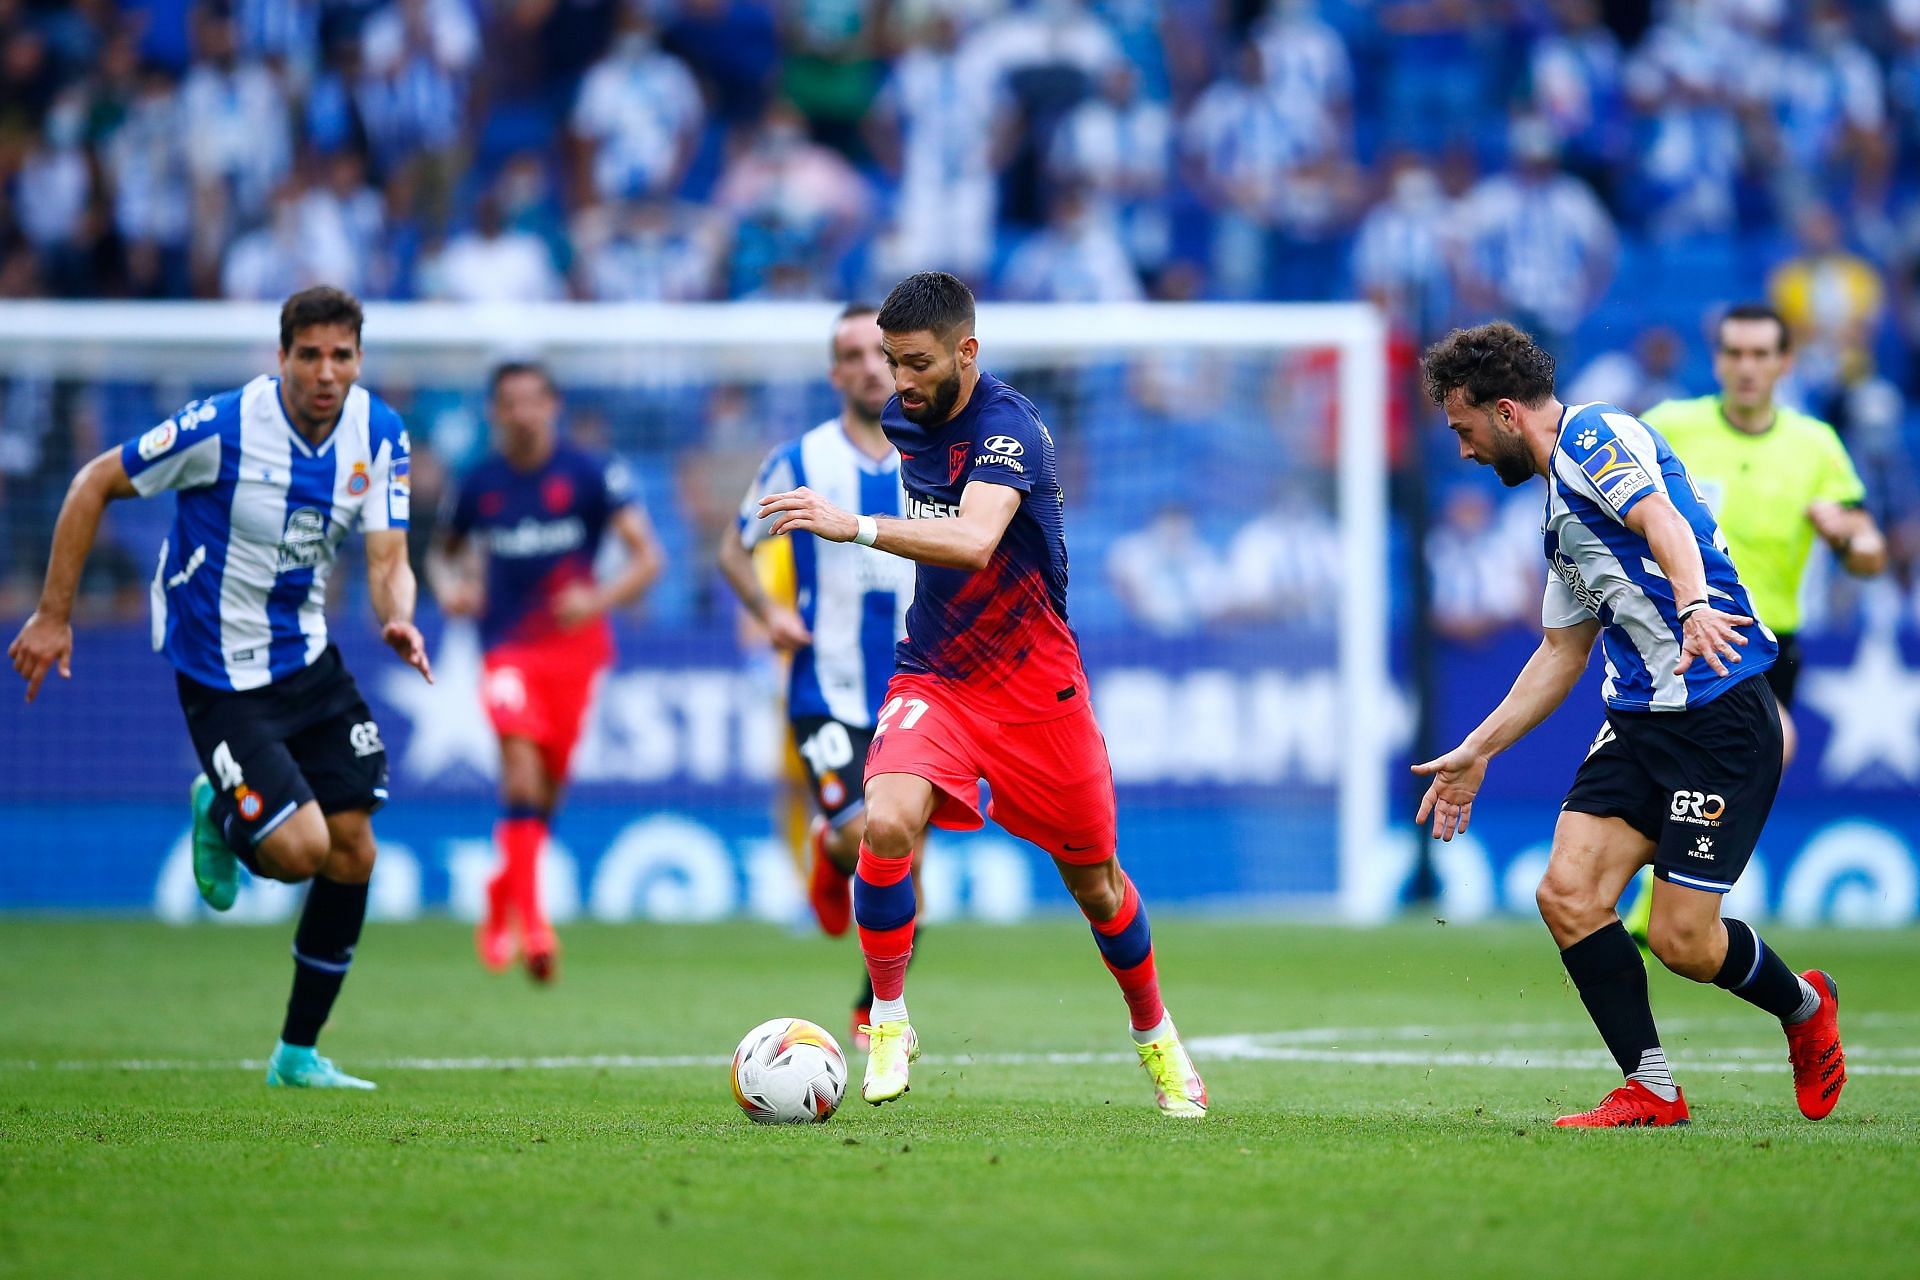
1699	783
1784	674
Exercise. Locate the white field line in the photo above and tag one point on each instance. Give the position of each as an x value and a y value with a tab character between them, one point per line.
1347	1046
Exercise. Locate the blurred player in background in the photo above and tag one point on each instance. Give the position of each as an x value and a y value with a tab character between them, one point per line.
537	510
1685	767
989	683
270	480
1774	479
850	609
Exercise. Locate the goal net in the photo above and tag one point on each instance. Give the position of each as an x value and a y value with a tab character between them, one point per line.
1225	476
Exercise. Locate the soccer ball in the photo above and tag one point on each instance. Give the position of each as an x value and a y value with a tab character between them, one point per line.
789	1071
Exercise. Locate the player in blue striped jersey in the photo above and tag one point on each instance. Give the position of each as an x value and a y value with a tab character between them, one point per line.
850	608
1685	766
269	480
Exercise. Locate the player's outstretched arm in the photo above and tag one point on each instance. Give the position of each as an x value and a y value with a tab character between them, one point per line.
391	583
1705	632
965	541
1542	685
46	641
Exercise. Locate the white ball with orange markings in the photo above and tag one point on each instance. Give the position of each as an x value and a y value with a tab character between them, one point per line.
789	1071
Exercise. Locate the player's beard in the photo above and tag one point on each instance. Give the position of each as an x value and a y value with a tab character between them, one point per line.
938	405
1512	460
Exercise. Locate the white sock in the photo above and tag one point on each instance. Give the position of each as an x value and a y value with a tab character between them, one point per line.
888	1010
1809	1004
1655	1075
1163	1027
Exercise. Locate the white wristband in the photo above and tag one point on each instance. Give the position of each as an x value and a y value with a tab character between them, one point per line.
867	530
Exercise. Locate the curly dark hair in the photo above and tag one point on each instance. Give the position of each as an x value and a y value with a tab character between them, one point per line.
1489	362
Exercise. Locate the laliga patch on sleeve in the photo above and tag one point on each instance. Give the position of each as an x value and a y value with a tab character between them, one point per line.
157	441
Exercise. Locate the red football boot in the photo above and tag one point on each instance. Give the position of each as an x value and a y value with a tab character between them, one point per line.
829	889
493	939
1813	1046
1631	1106
543	954
857	1030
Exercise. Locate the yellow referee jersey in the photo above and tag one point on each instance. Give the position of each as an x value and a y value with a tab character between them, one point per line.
1759	488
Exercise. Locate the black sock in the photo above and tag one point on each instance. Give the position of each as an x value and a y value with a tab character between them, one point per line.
1606	967
322	951
1754	973
226	818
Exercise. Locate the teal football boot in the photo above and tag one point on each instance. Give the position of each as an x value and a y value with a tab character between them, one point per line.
215	870
295	1066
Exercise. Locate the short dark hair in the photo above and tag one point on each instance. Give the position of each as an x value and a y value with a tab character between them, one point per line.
1754	311
852	311
1489	362
322	304
932	300
513	369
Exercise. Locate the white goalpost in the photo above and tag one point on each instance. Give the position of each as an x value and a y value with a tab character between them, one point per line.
191	347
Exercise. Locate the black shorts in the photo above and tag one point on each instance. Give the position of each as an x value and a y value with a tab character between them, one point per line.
1698	783
1784	674
834	753
306	737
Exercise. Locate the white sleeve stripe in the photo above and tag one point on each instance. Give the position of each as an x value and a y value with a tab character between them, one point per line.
1637	439
189	468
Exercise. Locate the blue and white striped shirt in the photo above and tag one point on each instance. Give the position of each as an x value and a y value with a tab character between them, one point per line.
853	599
1605	462
239	596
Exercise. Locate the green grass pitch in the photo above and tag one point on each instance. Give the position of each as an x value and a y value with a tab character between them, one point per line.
1381	1107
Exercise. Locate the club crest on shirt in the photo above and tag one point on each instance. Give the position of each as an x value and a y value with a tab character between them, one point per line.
957	459
357	482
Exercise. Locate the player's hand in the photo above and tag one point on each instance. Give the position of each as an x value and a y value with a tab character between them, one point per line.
1709	634
804	511
1456	776
577	604
42	645
405	639
785	629
462	600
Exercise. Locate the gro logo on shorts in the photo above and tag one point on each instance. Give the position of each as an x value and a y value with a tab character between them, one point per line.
1700	808
365	738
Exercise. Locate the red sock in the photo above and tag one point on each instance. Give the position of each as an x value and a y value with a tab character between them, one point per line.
883	910
520	841
1127	947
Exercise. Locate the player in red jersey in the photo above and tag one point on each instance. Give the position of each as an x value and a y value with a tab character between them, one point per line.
538	508
989	684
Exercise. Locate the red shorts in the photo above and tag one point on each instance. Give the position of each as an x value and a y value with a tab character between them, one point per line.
1051	781
541	691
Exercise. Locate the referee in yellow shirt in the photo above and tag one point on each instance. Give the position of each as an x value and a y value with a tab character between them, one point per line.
1775	479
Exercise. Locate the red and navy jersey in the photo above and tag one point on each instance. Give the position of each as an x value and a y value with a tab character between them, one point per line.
1002	632
541	530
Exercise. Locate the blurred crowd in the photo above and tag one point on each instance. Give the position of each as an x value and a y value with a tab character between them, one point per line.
1602	172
